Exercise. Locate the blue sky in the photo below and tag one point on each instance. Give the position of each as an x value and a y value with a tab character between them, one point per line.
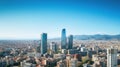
27	19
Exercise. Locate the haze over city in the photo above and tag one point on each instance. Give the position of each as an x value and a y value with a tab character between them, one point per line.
27	19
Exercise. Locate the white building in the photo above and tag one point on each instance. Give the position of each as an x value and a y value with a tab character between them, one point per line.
83	49
25	64
59	56
63	51
112	57
53	46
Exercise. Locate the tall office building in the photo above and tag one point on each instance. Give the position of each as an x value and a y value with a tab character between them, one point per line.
112	57
43	43
63	39
70	42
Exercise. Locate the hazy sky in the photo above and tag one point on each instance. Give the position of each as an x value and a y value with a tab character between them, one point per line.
27	19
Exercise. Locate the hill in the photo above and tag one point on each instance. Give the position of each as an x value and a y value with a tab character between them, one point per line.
97	37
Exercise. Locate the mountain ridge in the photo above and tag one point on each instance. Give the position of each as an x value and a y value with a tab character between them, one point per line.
94	37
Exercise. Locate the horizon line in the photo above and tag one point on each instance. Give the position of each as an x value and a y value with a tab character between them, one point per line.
13	38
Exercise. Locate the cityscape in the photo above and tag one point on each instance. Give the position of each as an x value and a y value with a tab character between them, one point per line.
65	52
59	33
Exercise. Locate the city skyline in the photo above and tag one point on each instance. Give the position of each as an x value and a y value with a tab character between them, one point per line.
28	19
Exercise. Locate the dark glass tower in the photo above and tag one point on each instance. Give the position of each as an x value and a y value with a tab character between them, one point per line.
70	42
63	39
43	43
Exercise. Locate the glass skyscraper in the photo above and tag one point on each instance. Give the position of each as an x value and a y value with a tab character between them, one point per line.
112	57
63	39
43	43
70	42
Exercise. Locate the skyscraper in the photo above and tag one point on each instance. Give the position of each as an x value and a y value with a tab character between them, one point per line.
43	43
63	39
112	57
70	42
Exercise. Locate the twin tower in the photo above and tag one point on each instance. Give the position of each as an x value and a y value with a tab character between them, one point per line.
65	43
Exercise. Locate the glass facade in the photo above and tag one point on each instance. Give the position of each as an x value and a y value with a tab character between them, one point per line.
63	39
43	43
70	42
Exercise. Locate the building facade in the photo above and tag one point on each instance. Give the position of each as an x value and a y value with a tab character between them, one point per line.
70	42
112	57
63	39
53	46
43	43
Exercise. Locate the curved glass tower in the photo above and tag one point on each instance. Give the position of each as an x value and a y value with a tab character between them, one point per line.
63	39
